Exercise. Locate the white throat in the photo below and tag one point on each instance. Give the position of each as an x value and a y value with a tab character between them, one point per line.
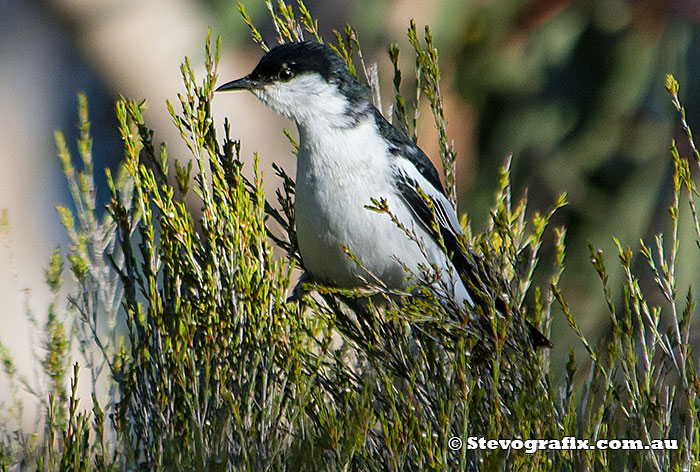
307	99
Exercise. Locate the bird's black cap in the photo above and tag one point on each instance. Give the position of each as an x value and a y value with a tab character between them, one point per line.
284	62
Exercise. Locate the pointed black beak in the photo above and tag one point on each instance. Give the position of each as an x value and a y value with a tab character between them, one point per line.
244	83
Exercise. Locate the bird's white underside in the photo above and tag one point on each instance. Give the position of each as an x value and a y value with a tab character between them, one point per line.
339	169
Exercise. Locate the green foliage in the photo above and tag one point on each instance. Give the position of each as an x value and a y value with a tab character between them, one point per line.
90	321
574	91
217	370
210	339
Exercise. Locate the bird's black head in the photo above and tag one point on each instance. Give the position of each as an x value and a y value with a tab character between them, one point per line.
289	76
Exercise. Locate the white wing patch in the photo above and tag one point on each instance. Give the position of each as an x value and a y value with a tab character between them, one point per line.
445	213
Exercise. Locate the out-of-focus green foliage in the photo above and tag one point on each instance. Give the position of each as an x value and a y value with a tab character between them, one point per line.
572	89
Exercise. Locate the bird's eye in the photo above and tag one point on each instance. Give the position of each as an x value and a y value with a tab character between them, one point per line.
286	74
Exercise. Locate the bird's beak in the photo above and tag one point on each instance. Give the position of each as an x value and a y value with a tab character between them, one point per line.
244	83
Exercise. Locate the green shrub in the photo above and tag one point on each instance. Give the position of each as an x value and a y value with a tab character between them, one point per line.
216	370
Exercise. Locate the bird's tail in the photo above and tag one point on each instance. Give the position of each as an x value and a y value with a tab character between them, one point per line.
484	287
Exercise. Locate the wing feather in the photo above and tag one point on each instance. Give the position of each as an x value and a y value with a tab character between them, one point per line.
416	178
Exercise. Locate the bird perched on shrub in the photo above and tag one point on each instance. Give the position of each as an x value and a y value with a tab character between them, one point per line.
349	154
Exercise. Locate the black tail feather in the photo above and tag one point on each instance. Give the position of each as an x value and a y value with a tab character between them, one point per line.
474	273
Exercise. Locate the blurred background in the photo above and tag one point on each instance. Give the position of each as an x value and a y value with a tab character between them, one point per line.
574	89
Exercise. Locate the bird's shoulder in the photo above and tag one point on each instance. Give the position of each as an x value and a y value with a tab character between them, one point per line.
413	170
401	146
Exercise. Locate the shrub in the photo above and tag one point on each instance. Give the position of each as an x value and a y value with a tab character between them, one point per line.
217	370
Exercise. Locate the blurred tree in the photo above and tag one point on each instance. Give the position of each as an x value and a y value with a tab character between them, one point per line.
575	91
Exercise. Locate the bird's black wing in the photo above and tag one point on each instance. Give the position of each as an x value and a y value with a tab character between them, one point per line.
471	267
402	146
413	171
419	194
417	178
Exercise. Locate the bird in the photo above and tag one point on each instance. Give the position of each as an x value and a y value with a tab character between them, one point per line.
350	156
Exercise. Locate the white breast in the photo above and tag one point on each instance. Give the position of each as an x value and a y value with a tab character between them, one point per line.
338	171
335	179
